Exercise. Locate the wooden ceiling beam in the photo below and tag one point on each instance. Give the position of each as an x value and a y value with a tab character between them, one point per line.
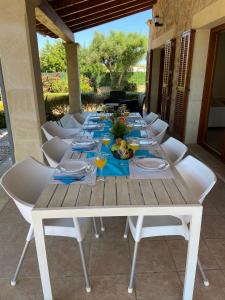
86	25
96	5
103	10
47	16
61	4
68	6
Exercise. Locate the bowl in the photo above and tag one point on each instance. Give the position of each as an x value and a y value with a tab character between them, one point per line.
118	155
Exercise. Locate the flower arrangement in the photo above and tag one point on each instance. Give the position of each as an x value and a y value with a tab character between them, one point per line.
119	128
121	149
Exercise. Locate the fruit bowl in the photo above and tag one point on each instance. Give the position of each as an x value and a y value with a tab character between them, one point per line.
120	150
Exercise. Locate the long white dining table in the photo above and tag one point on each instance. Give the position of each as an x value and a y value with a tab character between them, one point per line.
119	196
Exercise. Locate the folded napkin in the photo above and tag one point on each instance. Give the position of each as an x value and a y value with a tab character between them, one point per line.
68	179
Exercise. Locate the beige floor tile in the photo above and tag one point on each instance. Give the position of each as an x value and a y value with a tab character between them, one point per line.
110	288
108	257
9	257
68	288
114	229
215	290
10	214
63	288
179	251
13	235
217	247
213	227
64	257
153	256
209	208
27	289
158	286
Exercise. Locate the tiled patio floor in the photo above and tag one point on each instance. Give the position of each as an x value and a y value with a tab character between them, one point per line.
160	264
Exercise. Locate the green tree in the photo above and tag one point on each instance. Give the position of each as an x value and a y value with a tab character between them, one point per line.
53	57
90	66
118	52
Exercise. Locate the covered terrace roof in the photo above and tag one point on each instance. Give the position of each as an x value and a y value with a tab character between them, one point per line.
78	15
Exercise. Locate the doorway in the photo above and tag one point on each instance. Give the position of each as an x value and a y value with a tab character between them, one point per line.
212	121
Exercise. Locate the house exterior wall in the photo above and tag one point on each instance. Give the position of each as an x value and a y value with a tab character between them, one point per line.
178	16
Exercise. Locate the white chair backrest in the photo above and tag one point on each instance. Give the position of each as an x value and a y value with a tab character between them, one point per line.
159	128
151	118
51	130
174	149
199	178
80	117
68	121
24	183
54	151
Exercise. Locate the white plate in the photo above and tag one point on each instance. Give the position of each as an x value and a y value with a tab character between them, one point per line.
147	142
84	144
94	118
92	126
72	166
149	163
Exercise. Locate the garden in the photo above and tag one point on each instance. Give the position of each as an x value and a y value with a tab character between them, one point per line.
105	65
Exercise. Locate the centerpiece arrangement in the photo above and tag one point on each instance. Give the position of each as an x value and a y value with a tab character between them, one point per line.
121	148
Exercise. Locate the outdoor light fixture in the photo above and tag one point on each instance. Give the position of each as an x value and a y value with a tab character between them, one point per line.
157	21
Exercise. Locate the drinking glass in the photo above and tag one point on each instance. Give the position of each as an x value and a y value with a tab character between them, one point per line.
126	113
106	140
103	117
100	161
134	145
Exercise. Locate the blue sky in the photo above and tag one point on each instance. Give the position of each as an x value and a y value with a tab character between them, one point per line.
134	23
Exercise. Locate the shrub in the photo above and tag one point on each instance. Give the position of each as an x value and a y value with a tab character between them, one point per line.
130	86
85	84
54	84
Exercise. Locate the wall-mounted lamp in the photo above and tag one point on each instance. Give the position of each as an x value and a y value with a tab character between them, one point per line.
157	21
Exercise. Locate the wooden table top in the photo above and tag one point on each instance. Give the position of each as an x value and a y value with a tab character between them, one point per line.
118	192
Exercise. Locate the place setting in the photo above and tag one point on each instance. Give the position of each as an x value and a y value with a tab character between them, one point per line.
75	171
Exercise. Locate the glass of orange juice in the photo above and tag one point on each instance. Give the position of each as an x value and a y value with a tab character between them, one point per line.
126	113
106	140
100	161
134	144
103	117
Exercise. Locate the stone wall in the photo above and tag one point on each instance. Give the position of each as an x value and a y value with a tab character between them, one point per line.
177	16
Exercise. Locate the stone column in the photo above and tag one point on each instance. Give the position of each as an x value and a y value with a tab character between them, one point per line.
73	76
22	76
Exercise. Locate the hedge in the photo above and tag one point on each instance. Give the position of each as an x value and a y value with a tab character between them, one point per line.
59	101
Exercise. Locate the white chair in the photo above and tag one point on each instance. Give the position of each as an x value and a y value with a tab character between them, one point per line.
158	128
81	116
151	118
174	149
51	130
68	121
54	151
200	179
24	183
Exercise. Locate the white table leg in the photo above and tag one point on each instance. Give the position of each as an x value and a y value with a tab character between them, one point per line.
42	257
192	254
